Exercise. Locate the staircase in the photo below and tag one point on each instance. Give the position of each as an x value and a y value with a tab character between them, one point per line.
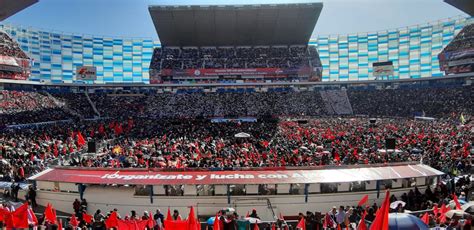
263	206
92	104
327	102
336	102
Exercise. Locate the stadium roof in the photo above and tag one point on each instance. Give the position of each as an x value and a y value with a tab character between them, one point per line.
11	7
235	25
465	5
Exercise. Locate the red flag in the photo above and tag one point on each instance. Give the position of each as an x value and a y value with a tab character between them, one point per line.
20	216
192	221
443	209
3	213
101	129
32	217
87	218
337	157
49	214
80	139
60	225
435	210
328	222
118	129
168	216
273	226
255	227
381	220
362	225
112	221
151	223
216	226
456	201
74	221
426	218
363	201
55	150
301	224
443	212
355	153
21	172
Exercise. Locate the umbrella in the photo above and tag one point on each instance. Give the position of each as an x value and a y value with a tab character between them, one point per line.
242	135
253	220
211	220
416	150
403	221
468	207
452	204
395	204
228	210
451	213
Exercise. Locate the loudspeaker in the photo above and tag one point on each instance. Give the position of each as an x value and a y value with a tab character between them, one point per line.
302	122
91	147
390	143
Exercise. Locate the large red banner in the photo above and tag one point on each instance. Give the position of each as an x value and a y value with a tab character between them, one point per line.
234	72
111	176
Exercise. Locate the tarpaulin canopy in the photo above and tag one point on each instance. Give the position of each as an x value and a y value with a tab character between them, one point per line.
150	177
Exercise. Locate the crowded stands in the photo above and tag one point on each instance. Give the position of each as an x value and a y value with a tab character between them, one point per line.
436	102
10	48
239	57
292	57
14	63
464	40
142	143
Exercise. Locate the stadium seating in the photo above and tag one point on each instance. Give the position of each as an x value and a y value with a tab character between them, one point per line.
8	47
292	57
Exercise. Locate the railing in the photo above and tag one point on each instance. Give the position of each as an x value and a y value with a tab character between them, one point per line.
248	168
92	104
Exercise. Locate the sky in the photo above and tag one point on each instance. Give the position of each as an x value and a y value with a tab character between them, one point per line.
130	18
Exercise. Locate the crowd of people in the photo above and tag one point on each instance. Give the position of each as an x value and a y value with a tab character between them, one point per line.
184	143
172	131
433	102
10	48
20	107
292	57
464	40
27	107
431	204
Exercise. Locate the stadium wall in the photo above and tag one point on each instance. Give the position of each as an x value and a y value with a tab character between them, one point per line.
413	51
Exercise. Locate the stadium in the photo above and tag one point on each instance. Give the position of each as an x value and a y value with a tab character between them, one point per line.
237	117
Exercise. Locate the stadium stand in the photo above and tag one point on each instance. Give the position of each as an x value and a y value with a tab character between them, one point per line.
14	63
278	125
457	56
10	48
166	60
